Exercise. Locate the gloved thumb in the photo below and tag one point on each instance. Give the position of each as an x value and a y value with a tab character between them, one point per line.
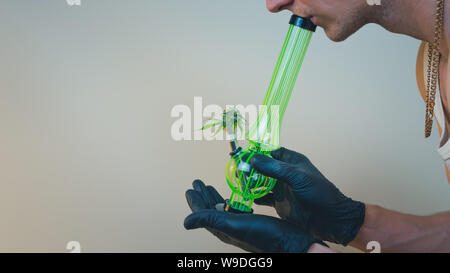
272	167
267	200
202	219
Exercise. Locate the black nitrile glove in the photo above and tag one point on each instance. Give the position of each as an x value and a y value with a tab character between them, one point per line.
251	232
305	197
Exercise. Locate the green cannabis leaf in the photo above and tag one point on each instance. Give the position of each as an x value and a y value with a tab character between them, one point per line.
231	118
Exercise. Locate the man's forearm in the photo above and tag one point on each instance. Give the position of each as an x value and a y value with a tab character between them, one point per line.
398	232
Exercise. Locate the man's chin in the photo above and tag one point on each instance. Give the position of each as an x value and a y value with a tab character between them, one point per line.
336	35
338	32
336	38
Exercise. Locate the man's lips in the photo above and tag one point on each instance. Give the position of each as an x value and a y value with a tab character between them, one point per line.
283	7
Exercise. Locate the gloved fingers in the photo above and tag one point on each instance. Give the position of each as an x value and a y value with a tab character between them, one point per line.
214	222
236	226
289	156
258	233
202	219
267	200
273	168
200	187
195	200
214	195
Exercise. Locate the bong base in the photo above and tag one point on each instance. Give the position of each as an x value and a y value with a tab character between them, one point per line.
229	208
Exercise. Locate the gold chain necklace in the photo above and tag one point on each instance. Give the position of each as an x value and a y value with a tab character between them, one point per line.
434	57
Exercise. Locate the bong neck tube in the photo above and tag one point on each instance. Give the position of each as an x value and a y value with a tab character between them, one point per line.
264	134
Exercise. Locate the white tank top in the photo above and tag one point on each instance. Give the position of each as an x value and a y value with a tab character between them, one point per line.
444	144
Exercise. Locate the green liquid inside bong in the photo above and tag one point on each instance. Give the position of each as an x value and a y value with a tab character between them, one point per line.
264	134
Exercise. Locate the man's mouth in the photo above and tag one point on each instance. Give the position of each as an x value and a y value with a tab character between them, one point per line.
283	7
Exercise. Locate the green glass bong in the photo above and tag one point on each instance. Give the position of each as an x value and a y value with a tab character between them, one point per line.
264	135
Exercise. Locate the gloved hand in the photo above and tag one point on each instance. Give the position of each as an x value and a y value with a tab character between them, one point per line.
305	197
251	232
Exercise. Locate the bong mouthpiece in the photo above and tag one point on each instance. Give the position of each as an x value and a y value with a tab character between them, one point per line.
304	23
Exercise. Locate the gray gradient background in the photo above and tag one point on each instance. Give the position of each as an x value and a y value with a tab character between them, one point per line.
85	100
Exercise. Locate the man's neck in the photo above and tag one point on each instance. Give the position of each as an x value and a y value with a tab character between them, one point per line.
415	18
